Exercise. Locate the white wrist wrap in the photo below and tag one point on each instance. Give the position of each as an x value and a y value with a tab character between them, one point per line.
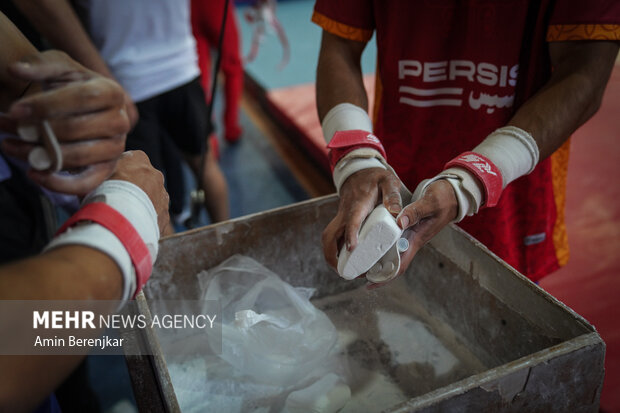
131	202
134	204
355	161
99	238
512	150
466	188
345	116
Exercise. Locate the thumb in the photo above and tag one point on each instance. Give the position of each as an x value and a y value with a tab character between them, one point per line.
413	213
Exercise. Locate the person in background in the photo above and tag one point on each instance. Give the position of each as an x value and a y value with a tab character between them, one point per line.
206	25
477	95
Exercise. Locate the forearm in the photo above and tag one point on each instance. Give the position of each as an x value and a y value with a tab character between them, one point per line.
14	47
65	273
59	24
572	95
339	74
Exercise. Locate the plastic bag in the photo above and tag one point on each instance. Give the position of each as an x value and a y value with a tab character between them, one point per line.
270	330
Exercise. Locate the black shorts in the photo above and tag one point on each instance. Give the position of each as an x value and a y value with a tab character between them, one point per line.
171	124
177	117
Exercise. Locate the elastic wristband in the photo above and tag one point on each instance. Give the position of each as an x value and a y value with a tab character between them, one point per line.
116	223
483	169
344	142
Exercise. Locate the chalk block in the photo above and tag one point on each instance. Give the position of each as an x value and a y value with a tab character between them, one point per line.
377	235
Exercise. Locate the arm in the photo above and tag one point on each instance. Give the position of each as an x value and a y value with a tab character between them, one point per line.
59	24
339	80
15	47
57	21
67	272
339	74
572	95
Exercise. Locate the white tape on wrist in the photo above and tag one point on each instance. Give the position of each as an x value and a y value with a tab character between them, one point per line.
513	150
355	161
345	116
136	207
467	190
97	237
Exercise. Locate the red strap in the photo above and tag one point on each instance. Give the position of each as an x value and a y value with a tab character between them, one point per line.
346	141
485	171
116	223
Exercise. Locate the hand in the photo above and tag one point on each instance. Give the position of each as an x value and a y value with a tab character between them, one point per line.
86	112
426	217
135	167
359	195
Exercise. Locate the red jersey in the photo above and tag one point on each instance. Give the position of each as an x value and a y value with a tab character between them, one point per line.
450	72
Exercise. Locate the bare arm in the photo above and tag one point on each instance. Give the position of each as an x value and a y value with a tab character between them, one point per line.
14	47
572	95
67	273
339	74
59	24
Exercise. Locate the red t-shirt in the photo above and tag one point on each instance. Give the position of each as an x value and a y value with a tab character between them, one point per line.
447	74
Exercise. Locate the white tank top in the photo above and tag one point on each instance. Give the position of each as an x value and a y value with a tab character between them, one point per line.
147	44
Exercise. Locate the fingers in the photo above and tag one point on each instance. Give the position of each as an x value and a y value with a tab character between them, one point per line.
110	122
332	233
75	184
74	155
426	217
51	65
358	213
390	190
74	98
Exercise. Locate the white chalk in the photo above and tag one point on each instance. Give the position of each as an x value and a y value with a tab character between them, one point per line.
327	395
377	235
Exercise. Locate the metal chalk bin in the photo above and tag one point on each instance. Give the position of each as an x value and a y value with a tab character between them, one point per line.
460	331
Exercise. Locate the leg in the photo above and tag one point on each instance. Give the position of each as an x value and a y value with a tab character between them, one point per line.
188	127
214	186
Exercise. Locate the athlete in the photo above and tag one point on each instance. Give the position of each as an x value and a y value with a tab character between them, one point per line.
476	94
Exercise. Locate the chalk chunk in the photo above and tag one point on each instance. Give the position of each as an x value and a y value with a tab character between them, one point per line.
377	235
327	395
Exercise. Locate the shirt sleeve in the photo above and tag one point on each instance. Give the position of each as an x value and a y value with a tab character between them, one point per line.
585	20
350	19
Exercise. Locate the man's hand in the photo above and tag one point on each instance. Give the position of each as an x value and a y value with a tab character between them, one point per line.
359	195
135	167
427	216
85	110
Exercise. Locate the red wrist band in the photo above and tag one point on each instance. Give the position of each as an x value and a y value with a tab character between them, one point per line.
344	142
115	222
485	170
